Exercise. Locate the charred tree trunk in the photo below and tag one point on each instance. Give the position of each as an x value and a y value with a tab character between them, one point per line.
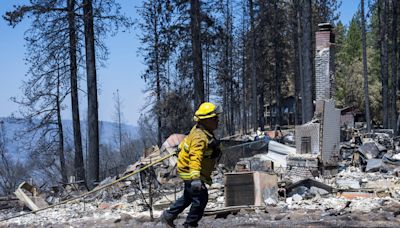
297	56
365	69
278	66
229	71
253	68
261	120
196	52
226	76
93	117
60	133
244	90
207	73
244	84
394	67
158	78
231	86
384	60
225	104
270	101
78	164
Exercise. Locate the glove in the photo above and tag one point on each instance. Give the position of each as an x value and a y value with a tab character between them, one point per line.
196	186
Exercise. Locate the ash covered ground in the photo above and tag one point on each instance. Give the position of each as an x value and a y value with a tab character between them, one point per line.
357	199
383	213
303	208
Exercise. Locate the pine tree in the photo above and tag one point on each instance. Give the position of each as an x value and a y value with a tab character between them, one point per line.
365	69
394	61
382	14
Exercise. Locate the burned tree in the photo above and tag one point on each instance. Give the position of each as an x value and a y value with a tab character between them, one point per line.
158	43
60	41
394	60
93	116
253	67
57	33
365	68
72	32
195	32
382	17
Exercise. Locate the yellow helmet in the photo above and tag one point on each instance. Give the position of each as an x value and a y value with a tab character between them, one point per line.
206	110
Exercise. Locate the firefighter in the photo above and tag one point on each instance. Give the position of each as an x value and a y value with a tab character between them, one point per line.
197	156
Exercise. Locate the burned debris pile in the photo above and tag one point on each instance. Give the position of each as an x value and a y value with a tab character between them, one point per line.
267	175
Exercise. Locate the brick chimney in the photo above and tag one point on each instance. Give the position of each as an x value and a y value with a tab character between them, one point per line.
324	62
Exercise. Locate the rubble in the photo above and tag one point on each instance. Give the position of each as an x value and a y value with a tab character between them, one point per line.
295	183
348	183
8	202
311	185
35	201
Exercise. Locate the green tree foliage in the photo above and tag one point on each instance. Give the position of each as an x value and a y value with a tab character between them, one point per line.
226	45
349	77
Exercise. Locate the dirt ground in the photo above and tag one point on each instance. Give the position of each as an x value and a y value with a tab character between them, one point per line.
271	217
278	219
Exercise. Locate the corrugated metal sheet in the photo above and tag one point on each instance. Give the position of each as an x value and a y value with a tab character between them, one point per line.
277	153
279	160
280	148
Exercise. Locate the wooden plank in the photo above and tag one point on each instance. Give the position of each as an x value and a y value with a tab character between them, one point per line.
24	198
33	203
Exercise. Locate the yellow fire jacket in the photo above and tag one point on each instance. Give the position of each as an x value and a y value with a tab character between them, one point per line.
196	158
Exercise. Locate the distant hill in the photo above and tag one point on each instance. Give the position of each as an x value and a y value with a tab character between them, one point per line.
107	131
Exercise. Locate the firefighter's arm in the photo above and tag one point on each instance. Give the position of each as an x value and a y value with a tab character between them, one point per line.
197	148
215	144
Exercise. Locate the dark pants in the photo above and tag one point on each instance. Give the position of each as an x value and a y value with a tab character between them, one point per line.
198	200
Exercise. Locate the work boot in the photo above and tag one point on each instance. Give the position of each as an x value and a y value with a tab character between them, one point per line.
167	220
188	225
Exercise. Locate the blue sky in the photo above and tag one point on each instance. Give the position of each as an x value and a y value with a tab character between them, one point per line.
122	72
347	10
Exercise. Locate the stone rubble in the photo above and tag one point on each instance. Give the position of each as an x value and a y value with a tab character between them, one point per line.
132	207
355	192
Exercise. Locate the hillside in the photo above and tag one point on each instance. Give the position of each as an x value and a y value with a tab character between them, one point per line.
15	145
